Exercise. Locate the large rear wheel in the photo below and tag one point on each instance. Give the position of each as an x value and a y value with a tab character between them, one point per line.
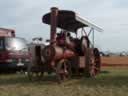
92	58
97	61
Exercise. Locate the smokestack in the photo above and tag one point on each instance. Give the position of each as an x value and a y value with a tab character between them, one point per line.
54	16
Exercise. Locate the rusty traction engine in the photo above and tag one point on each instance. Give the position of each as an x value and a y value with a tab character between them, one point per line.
67	55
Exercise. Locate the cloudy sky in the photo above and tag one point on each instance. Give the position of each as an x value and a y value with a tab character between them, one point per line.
111	15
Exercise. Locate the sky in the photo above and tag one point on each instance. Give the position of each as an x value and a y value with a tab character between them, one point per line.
25	17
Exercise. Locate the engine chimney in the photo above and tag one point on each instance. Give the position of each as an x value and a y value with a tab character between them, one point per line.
54	16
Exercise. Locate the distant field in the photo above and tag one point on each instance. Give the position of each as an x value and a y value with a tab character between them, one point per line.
111	82
115	60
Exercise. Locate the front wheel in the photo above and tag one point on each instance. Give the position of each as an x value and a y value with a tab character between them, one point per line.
63	70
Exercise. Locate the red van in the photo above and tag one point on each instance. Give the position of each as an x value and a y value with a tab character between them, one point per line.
14	54
4	32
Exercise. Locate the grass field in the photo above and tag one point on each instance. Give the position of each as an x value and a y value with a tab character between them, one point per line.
111	82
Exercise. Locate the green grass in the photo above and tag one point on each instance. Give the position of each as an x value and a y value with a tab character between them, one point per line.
111	82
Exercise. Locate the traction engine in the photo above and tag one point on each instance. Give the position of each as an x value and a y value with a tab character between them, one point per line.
67	55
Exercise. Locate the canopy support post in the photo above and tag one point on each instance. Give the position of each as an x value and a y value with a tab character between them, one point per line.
93	38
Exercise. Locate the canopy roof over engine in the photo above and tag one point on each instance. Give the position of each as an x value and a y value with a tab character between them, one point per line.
70	21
